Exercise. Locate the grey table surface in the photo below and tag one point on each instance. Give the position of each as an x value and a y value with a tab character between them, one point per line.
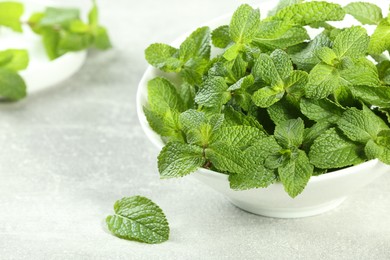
68	153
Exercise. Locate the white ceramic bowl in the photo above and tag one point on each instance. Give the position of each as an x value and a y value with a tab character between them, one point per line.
321	194
41	73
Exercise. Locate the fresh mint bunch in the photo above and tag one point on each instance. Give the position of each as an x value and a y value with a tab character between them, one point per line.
62	31
274	105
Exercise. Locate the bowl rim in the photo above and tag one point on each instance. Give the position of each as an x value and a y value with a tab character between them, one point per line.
156	139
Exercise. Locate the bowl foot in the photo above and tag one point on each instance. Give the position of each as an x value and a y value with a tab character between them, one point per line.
299	212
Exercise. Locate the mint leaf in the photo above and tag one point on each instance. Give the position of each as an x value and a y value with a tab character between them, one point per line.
59	16
140	219
267	96
163	96
296	174
361	125
333	150
311	12
380	39
374	150
14	59
364	12
12	86
10	14
197	45
359	72
177	160
323	110
163	57
213	93
220	37
352	42
307	58
239	136
282	4
327	55
165	124
290	133
323	80
244	24
377	96
312	133
283	111
236	118
51	39
102	40
279	34
252	178
226	158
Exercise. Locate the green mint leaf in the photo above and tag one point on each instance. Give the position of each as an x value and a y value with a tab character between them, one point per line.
73	42
244	24
366	13
220	37
232	52
197	45
165	124
377	96
239	136
267	96
192	119
59	17
290	133
255	177
307	58
374	150
273	69
311	12
282	4
323	110
359	72
242	83
279	34
177	160
384	71
295	83
93	15
226	158
361	125
213	93
333	150
283	111
236	118
51	40
187	93
12	86
351	42
327	55
163	57
140	219
10	14
312	133
262	149
102	40
323	80
296	174
380	39
163	96
14	59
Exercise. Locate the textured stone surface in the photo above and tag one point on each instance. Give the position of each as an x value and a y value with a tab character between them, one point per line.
68	153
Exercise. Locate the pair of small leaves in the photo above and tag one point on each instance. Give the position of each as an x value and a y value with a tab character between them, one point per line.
276	71
191	59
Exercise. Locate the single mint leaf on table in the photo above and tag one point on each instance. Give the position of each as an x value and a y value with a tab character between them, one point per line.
361	125
178	159
364	12
12	86
333	150
296	174
10	14
139	219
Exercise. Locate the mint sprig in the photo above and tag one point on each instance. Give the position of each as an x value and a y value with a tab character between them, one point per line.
274	105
